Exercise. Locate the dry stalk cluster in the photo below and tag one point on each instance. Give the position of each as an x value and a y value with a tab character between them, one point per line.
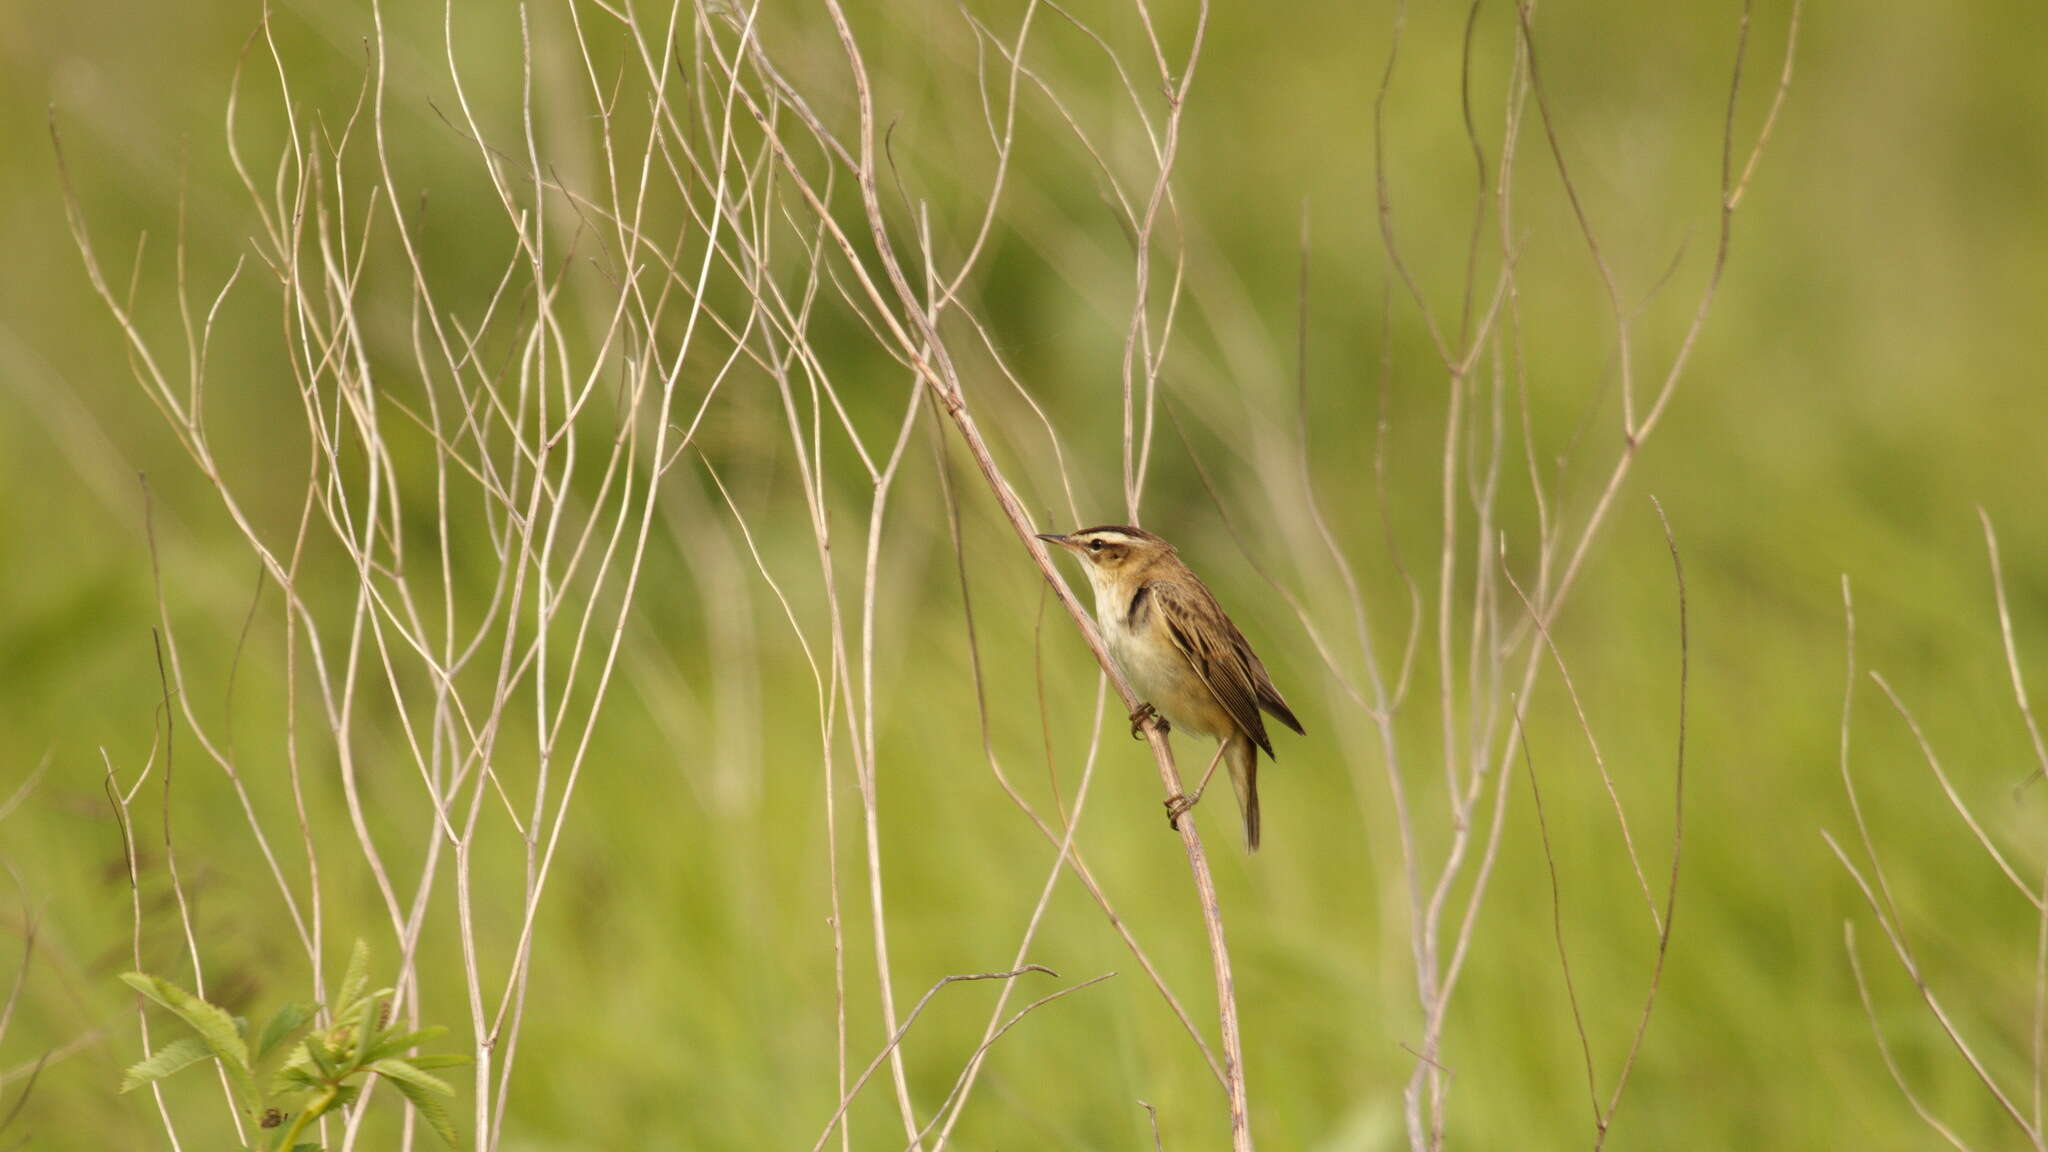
733	201
1491	629
488	476
2024	1112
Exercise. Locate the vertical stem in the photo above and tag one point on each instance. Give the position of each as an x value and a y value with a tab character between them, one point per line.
1169	774
1219	951
318	1107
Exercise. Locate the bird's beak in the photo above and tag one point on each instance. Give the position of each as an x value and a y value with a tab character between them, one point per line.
1056	538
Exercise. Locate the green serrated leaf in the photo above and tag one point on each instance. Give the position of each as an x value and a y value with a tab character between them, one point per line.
409	1072
316	1050
288	1024
293	1078
176	1056
363	1031
214	1026
438	1061
427	1093
355	979
398	1042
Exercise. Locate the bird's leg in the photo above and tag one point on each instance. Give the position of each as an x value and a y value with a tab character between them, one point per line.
1179	805
1147	712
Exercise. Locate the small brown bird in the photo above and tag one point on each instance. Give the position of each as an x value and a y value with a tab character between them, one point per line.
1181	654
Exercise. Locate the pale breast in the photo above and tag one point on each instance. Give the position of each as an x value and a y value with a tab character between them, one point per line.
1160	675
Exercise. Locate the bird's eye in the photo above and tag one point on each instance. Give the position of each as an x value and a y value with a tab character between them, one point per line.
1095	545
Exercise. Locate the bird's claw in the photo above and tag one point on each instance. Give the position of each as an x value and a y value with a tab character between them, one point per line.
1147	712
1178	806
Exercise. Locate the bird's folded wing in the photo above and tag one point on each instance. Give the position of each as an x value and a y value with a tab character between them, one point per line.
1217	652
1269	699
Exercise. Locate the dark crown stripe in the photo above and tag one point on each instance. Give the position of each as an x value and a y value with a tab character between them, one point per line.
1123	530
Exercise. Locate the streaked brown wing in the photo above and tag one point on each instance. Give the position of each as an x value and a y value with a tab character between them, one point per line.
1269	696
1217	652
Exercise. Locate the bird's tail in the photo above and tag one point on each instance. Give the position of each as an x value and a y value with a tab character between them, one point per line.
1244	778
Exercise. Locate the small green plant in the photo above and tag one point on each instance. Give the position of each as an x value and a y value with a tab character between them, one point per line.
291	1073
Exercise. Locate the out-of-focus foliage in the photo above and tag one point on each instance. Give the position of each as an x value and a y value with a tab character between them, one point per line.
290	1074
1868	377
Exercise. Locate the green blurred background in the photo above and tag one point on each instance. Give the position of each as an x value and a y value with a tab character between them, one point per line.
1868	378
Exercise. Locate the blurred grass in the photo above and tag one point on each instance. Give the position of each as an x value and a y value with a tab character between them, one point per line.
1869	375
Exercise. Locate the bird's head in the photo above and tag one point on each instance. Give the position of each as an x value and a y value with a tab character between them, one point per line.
1112	550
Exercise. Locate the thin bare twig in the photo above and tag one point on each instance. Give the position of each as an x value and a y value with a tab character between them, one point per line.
895	1038
1677	836
1884	1050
